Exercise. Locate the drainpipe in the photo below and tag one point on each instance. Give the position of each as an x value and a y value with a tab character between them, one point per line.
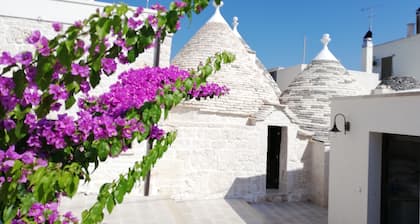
156	58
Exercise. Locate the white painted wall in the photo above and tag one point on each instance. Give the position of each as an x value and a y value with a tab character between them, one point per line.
286	75
354	188
368	81
405	54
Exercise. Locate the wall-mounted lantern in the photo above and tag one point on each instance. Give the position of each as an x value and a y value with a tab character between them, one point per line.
346	124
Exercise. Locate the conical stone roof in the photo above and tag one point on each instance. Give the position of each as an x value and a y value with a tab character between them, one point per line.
309	94
249	82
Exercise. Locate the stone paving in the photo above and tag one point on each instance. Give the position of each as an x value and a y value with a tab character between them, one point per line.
220	211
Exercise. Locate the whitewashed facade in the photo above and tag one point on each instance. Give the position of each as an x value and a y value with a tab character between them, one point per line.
399	57
403	53
357	158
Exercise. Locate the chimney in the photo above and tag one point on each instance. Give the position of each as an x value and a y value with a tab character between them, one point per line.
418	20
367	53
410	29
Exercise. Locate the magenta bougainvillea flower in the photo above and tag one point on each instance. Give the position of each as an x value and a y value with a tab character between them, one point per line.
57	26
81	70
108	65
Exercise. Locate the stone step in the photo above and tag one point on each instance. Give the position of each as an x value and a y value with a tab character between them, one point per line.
276	197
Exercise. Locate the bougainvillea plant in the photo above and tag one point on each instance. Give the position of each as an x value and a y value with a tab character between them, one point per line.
44	157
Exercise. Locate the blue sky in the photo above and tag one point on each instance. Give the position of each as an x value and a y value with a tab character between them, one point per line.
275	29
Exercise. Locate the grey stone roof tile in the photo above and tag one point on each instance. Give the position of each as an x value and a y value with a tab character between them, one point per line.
247	79
308	96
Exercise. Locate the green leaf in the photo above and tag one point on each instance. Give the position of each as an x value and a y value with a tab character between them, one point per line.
131	37
119	194
73	87
132	55
114	51
96	65
19	113
65	180
20	132
103	150
156	113
45	105
94	78
188	84
73	186
116	147
108	9
103	27
110	204
9	213
169	101
7	69
122	9
70	101
20	82
171	20
44	72
63	55
217	64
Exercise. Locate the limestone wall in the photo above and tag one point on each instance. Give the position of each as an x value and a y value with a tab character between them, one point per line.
218	155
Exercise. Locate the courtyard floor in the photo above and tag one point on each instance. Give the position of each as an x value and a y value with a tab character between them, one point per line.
220	211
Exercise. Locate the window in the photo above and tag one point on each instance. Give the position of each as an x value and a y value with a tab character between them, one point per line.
386	67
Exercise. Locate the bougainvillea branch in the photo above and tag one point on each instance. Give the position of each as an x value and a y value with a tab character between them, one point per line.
43	159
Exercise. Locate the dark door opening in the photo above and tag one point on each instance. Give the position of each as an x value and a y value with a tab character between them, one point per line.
400	179
273	157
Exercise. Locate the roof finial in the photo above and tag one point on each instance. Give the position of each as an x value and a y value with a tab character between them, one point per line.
235	24
325	53
325	39
217	16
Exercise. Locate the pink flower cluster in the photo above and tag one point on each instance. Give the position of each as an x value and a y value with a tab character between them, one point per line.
40	42
8	159
208	90
46	213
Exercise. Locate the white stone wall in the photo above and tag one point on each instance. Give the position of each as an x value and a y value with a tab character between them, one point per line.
112	168
355	158
214	156
405	53
218	155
